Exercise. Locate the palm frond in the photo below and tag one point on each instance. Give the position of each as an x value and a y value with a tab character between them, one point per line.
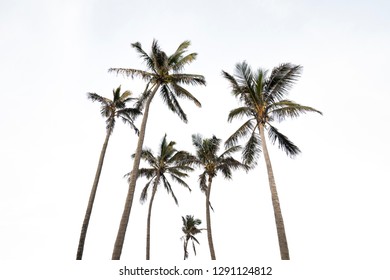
182	92
252	149
240	112
110	124
96	97
182	158
193	244
246	80
147	155
144	193
169	99
197	140
116	93
194	239
241	132
182	48
149	62
281	81
176	171
128	120
175	58
178	180
236	88
128	72
168	187
146	172
289	109
229	151
260	82
228	164
179	62
203	182
131	113
188	79
143	97
283	142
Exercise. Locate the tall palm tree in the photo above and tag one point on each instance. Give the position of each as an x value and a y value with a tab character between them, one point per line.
207	157
163	73
110	109
263	99
190	229
168	161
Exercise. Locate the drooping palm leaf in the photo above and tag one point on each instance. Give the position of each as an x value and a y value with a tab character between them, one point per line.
284	143
247	128
252	149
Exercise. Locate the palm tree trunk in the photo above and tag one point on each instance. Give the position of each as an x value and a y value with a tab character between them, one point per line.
283	246
208	221
88	212
120	238
149	218
185	247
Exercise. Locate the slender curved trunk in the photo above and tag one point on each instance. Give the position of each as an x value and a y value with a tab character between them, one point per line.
149	218
120	238
208	221
283	246
88	212
185	247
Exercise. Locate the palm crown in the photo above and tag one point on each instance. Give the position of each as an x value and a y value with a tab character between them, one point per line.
264	100
164	72
168	161
190	229
116	108
208	158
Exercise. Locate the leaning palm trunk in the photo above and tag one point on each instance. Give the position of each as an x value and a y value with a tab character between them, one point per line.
88	212
133	178
208	221
283	246
149	218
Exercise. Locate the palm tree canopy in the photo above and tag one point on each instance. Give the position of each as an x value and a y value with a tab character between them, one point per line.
207	157
263	96
116	108
168	161
190	229
190	225
165	72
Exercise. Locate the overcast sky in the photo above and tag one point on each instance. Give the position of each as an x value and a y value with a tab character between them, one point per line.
334	196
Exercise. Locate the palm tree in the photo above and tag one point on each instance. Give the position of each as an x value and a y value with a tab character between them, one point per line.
110	109
168	161
207	158
164	74
190	229
264	100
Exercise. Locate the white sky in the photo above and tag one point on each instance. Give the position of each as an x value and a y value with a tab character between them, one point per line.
333	196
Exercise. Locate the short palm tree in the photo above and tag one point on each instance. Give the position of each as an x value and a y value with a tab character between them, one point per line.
263	99
163	73
110	109
190	229
168	161
207	158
